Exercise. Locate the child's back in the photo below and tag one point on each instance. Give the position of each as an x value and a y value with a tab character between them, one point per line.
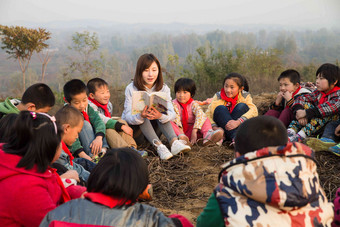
271	184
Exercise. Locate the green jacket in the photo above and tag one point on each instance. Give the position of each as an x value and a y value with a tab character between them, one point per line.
98	129
8	107
211	215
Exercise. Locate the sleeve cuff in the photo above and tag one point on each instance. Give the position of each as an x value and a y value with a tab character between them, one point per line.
312	113
290	102
76	153
99	134
296	108
118	126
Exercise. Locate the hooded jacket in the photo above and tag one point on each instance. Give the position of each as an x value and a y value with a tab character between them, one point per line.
9	106
274	186
26	195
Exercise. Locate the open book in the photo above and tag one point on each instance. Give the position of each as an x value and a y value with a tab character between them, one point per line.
140	99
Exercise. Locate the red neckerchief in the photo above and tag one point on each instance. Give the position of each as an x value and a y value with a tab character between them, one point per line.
231	102
104	107
64	194
67	151
185	114
106	200
323	98
86	116
296	91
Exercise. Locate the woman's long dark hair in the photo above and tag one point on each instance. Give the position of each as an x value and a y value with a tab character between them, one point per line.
36	138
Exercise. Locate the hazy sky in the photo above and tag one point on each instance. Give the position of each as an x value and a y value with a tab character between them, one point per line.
234	12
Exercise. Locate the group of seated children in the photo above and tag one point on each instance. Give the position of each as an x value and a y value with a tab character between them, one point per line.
275	178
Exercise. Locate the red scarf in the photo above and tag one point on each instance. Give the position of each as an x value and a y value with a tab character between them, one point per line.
86	116
296	91
231	102
64	194
185	115
106	200
324	95
67	151
104	107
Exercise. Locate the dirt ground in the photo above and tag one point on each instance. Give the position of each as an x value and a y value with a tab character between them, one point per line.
183	184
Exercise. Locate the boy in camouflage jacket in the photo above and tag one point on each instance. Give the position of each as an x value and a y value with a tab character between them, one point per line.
270	183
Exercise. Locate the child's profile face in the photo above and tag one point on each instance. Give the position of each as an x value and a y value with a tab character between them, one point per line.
101	95
287	85
71	133
79	101
231	88
183	96
150	75
323	85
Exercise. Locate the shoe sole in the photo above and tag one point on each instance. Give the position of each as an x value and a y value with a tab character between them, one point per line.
216	137
318	145
168	157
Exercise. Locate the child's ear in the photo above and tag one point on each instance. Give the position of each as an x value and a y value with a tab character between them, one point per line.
91	95
30	106
66	128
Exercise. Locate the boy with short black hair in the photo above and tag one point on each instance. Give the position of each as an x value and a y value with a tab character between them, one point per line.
290	89
269	183
92	136
71	121
38	98
118	133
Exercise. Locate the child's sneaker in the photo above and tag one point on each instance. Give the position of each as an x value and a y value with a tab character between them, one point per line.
291	133
162	151
146	194
179	146
141	152
335	149
213	137
322	144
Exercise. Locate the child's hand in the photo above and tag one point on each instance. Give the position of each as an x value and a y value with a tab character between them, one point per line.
279	98
96	145
300	114
71	174
153	113
127	130
84	155
232	124
144	113
288	95
303	121
193	138
337	131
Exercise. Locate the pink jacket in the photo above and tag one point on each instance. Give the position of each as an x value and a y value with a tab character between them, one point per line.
26	195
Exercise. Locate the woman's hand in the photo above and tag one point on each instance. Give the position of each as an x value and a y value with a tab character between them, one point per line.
144	113
153	113
232	124
300	114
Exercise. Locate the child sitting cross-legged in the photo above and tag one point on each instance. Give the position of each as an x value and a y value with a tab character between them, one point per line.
118	133
314	110
269	183
191	122
113	189
290	89
92	135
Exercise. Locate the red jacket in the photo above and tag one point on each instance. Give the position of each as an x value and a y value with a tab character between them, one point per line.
26	195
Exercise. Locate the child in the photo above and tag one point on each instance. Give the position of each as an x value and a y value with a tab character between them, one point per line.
191	122
314	110
232	106
29	188
113	188
269	183
290	89
148	77
117	134
92	136
38	98
71	121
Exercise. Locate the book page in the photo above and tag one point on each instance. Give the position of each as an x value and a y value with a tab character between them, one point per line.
138	101
158	100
